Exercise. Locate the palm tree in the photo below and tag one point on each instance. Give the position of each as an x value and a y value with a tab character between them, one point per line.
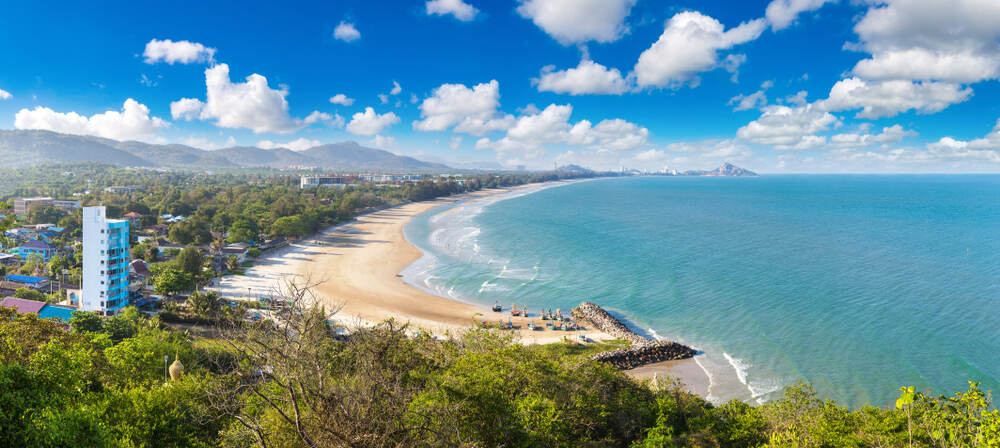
232	263
216	246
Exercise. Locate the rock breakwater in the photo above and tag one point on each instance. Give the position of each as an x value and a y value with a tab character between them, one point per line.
642	350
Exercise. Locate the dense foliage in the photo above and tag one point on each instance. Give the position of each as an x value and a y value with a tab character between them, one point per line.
298	382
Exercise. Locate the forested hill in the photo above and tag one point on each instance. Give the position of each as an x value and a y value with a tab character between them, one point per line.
23	148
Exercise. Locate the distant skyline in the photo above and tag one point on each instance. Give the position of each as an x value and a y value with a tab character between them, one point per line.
777	86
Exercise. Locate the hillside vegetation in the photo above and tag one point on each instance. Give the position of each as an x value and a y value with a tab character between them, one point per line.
298	381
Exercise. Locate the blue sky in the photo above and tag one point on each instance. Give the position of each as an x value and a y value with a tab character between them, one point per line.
776	86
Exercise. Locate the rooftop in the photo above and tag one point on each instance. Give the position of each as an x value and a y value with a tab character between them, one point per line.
26	279
37	244
23	306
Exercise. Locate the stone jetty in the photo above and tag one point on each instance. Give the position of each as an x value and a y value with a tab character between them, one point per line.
642	351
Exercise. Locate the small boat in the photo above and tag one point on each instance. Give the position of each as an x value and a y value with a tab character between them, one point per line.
514	311
531	326
497	308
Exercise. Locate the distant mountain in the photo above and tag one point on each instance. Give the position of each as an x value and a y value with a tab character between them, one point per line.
574	169
725	170
21	148
730	170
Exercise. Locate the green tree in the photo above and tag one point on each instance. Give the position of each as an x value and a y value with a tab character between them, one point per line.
85	321
30	294
242	230
207	305
44	215
173	280
290	226
191	260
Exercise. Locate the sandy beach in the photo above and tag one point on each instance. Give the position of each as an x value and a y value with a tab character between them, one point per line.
356	267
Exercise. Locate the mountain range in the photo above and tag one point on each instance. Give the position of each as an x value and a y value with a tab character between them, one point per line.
23	148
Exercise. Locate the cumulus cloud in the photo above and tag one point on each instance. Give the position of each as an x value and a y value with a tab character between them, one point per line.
186	109
531	132
300	144
943	40
370	123
133	122
382	142
183	52
704	150
346	32
317	116
789	128
650	155
5	95
782	13
472	111
396	88
204	143
341	99
578	21
588	77
251	105
690	44
990	142
879	99
889	134
751	101
457	8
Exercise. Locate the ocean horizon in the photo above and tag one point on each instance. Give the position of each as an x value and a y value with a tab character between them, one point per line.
859	284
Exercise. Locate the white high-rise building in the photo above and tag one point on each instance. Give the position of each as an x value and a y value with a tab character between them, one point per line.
105	262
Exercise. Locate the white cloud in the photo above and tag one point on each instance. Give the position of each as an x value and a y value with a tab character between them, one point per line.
183	51
609	135
782	13
337	121
578	21
186	109
131	123
799	99
370	123
705	150
317	116
414	99
990	141
455	142
204	143
689	45
300	144
458	8
754	100
890	134
651	155
588	77
252	104
5	95
944	40
341	99
396	88
382	142
346	32
532	132
788	128
472	111
888	98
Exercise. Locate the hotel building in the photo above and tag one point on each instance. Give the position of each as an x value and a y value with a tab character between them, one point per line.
105	262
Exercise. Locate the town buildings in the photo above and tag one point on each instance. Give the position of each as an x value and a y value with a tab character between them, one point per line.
23	205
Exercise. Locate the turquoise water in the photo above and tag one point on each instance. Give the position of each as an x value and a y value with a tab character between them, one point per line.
858	284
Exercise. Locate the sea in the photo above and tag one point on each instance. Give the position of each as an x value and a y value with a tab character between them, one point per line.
857	284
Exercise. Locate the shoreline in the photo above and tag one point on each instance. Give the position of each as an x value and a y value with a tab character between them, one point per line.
357	267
